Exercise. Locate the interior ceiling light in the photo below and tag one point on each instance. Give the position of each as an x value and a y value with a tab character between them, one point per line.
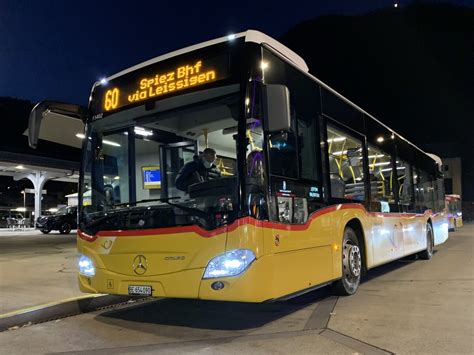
381	164
337	139
143	132
114	144
105	141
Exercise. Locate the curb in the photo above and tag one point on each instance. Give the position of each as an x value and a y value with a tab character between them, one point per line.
60	309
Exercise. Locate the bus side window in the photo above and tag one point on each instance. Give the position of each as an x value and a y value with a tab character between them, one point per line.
405	186
346	171
382	180
424	192
285	209
292	209
283	157
294	156
440	194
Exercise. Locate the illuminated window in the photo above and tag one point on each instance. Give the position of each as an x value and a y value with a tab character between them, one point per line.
405	186
424	192
382	177
345	165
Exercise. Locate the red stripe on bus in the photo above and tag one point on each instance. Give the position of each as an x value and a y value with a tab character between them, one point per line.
241	222
207	234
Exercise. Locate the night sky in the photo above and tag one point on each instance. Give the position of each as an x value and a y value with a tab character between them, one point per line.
57	49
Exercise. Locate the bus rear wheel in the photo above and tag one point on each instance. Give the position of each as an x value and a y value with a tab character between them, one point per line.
428	253
351	265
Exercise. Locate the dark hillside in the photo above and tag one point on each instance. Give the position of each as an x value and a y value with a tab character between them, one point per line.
413	68
413	65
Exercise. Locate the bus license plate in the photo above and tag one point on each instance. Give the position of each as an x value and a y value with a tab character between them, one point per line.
139	290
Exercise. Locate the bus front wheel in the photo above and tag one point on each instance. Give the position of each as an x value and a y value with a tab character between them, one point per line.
428	253
351	265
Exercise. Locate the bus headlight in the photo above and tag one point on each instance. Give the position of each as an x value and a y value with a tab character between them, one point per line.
86	267
230	263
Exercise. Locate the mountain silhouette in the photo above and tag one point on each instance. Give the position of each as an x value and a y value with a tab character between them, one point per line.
412	68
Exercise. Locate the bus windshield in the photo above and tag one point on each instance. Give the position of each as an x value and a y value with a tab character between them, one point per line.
176	165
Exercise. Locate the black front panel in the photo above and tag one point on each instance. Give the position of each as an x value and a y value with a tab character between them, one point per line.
191	71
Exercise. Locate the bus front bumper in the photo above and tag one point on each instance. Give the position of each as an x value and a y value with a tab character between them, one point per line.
253	285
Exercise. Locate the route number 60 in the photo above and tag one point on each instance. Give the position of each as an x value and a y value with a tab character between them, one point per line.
111	99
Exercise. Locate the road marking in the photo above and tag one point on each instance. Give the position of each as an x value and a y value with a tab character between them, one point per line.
320	317
46	305
355	344
179	345
60	309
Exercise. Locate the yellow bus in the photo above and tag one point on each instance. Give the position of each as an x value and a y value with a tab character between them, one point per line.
226	171
453	207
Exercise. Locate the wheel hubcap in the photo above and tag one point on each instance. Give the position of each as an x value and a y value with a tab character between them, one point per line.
352	262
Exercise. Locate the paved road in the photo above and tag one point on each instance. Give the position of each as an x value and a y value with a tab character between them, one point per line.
36	269
405	307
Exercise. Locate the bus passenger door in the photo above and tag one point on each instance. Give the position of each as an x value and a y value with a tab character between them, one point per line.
173	158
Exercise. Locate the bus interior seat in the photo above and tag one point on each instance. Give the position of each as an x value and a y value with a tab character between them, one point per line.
338	186
333	168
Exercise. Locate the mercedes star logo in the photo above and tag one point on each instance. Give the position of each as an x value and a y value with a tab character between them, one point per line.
140	264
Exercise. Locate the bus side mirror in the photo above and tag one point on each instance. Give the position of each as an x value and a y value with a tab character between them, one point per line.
276	108
42	109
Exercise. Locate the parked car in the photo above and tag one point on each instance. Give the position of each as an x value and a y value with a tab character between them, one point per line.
64	220
6	215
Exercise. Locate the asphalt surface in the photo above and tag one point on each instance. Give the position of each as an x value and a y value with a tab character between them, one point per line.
36	269
406	307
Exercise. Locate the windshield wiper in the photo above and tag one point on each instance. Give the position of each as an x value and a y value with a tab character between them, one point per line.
111	213
194	211
166	199
102	219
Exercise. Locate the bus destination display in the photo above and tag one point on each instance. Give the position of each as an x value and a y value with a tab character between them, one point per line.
153	82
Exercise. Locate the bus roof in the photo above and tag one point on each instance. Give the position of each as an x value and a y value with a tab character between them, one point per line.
249	36
260	38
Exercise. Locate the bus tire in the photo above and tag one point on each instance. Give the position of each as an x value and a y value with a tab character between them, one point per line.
428	253
351	265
